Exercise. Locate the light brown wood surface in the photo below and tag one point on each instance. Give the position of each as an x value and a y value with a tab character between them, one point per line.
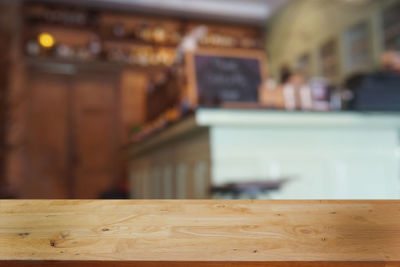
190	264
283	233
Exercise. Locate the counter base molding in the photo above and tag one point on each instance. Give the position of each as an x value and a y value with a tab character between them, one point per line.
199	233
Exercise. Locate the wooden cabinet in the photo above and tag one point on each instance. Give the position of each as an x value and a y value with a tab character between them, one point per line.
73	134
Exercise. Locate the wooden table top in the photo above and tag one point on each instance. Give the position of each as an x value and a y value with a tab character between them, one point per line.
199	233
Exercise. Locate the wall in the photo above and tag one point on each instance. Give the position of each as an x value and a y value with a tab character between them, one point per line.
15	181
304	25
10	21
133	99
5	45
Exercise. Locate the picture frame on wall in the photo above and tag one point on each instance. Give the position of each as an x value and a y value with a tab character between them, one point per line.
358	48
391	27
329	59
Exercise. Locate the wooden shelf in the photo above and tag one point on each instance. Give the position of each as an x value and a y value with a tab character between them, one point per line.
116	40
73	27
92	64
104	38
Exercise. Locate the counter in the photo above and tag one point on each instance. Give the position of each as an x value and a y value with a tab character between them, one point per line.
182	233
344	155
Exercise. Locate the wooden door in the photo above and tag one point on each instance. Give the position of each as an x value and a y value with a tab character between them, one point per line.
72	148
95	133
47	137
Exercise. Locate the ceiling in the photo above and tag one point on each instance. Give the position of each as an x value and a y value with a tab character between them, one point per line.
244	11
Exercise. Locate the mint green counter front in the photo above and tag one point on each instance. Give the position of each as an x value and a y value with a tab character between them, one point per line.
344	155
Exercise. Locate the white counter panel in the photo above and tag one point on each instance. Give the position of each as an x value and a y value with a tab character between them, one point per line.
325	155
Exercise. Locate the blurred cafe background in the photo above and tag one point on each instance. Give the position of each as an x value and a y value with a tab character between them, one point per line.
154	99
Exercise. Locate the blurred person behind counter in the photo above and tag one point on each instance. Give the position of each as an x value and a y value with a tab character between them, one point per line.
293	92
390	61
361	91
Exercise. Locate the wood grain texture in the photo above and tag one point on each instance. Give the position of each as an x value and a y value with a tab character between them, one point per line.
292	232
191	264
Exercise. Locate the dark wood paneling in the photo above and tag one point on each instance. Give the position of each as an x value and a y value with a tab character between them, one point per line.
96	135
5	47
47	137
73	135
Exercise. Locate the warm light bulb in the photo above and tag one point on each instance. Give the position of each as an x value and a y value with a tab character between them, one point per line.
46	40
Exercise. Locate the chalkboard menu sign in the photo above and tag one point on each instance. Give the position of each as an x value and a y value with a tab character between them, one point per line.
219	78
